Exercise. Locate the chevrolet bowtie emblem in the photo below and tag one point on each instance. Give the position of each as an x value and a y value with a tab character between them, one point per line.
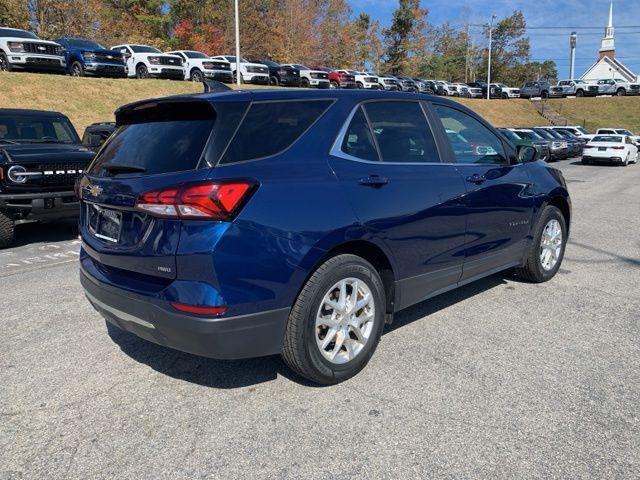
94	190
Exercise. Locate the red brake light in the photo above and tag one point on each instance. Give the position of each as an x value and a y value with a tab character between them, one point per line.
209	201
618	147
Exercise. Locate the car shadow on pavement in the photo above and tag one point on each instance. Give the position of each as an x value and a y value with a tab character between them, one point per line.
228	374
36	232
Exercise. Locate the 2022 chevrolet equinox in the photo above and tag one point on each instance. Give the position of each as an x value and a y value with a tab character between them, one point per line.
250	223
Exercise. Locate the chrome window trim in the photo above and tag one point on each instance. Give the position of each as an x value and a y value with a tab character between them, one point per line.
336	149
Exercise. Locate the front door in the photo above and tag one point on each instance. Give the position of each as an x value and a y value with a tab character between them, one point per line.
499	198
410	203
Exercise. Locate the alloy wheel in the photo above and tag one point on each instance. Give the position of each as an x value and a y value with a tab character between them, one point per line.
76	70
550	244
345	320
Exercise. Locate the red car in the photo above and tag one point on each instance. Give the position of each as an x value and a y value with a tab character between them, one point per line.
338	79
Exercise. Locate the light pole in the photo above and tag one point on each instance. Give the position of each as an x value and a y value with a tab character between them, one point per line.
493	17
238	71
573	38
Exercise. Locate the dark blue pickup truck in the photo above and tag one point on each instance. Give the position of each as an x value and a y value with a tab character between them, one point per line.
86	57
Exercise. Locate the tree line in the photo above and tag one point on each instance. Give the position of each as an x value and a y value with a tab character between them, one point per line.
317	32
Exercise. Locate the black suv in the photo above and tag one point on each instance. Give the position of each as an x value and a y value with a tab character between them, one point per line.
495	92
285	75
40	159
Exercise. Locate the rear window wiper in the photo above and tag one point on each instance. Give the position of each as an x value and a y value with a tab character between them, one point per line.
115	169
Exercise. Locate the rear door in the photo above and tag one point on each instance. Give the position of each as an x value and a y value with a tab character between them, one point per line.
388	163
159	146
499	198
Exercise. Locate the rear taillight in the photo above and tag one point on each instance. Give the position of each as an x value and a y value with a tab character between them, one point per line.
588	146
618	147
218	200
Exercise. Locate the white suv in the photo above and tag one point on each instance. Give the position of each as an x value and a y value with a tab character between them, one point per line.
250	72
310	77
363	79
22	50
198	66
144	61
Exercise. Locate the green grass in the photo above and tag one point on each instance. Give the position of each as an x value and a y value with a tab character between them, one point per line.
89	100
600	112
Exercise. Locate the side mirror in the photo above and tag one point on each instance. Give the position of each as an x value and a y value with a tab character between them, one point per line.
527	154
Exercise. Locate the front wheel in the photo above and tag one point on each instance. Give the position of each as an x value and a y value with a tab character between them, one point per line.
359	85
333	84
5	66
336	321
6	231
77	70
580	93
621	92
273	81
547	248
304	83
142	72
196	76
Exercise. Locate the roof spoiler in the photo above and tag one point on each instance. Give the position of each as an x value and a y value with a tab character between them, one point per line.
211	86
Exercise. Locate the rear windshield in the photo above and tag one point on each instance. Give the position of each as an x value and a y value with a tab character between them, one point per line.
607	138
271	127
154	147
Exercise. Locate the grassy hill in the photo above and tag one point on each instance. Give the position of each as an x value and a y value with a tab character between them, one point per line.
593	113
88	100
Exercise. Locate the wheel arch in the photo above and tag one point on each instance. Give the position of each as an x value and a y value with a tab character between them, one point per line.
561	203
372	253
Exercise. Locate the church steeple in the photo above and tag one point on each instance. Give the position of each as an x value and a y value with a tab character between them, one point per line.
607	48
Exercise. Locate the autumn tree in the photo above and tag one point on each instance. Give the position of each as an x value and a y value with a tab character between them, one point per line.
14	14
404	40
368	46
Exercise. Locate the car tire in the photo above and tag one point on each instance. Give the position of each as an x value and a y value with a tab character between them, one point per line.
626	161
142	72
544	95
5	66
77	70
273	81
535	269
359	85
505	96
579	93
304	349
7	231
196	76
304	83
333	84
621	92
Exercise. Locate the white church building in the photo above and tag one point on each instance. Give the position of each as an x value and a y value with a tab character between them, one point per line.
608	66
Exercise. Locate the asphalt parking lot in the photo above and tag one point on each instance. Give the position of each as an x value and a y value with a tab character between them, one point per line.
497	379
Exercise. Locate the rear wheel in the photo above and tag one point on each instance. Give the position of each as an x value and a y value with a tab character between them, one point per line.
304	83
547	248
273	81
579	93
77	70
626	161
336	321
6	231
359	85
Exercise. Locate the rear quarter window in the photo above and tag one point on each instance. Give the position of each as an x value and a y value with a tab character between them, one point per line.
269	128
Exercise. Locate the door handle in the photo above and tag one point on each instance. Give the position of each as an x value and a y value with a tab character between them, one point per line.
476	178
373	181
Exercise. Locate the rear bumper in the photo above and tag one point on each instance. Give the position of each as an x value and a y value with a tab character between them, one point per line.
41	206
245	336
596	159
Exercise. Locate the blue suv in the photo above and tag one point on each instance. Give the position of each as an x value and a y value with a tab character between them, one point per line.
86	57
250	223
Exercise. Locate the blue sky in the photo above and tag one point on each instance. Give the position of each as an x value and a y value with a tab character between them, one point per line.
545	44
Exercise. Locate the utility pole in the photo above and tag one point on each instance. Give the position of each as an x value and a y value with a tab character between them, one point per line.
573	38
238	71
466	59
493	18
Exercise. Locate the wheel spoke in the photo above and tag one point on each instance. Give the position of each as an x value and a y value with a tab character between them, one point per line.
358	333
329	337
363	302
338	346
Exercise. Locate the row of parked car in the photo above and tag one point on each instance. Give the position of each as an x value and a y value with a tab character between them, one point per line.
579	88
610	145
22	50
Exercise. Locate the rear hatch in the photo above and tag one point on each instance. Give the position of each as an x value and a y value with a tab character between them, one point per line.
158	146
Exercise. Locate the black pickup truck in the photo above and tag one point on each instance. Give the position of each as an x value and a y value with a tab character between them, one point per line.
41	157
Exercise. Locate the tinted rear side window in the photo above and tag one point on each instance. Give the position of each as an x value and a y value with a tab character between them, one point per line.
358	140
271	127
156	147
402	132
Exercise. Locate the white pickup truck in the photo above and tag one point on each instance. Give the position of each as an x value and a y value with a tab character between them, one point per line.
249	72
198	66
617	87
310	77
22	50
144	61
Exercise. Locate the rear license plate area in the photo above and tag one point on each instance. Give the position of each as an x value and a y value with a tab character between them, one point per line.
104	223
602	149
